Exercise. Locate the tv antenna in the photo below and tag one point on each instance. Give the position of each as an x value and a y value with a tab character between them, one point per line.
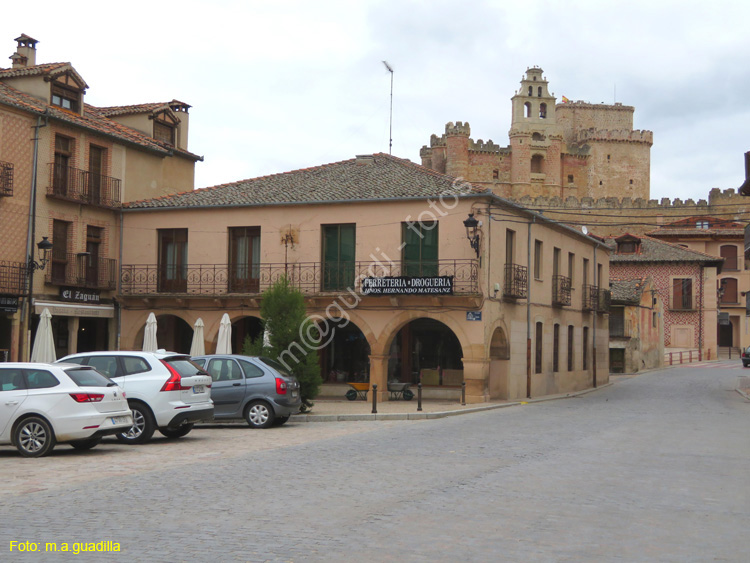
390	129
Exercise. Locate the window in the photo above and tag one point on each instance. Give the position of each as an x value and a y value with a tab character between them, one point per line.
40	379
571	266
585	279
339	248
61	173
626	247
531	90
542	111
224	370
65	97
654	320
93	242
172	260
702	225
59	260
556	348
420	252
571	179
537	137
538	355
729	294
251	370
164	132
537	164
6	178
729	253
570	347
96	172
495	174
244	259
510	246
585	350
104	364
537	259
527	108
682	293
11	380
133	364
539	91
87	377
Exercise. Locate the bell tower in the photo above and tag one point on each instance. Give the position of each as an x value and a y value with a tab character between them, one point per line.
535	138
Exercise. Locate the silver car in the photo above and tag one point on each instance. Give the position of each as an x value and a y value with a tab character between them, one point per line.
257	389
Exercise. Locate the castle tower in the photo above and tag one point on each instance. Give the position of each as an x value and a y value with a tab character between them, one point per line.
535	138
457	149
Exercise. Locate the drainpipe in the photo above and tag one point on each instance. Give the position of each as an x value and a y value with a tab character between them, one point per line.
528	311
26	310
700	320
118	307
596	313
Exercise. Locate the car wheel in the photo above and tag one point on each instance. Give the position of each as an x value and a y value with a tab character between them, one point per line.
176	432
143	426
281	420
33	437
86	444
259	415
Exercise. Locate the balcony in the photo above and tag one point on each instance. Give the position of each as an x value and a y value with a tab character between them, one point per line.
595	299
73	184
82	270
6	179
560	290
619	327
682	302
516	281
310	278
13	277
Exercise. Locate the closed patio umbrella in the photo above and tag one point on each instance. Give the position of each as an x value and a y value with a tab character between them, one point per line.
198	347
149	334
224	343
44	343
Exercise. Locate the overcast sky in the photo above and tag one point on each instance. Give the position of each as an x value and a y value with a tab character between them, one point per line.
277	86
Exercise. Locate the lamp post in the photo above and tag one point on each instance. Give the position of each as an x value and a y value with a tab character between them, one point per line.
472	232
43	248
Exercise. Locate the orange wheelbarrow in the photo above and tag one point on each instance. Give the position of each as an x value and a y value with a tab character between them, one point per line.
357	391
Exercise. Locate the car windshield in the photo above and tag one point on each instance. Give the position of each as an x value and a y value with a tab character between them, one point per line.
88	378
184	366
275	365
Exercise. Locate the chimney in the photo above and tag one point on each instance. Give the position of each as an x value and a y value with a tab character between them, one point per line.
744	189
25	54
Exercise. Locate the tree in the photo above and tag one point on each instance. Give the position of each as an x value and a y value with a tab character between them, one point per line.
292	338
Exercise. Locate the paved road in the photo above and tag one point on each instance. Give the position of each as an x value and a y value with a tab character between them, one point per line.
653	468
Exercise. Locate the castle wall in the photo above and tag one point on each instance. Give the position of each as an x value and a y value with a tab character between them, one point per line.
574	116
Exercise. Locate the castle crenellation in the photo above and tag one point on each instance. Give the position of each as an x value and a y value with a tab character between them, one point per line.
620	135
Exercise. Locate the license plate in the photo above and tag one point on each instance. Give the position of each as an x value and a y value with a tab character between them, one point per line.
198	389
294	394
121	419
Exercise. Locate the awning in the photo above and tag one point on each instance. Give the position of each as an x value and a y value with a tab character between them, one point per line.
59	309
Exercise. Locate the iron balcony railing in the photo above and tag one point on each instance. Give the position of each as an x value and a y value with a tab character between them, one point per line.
595	299
681	302
560	290
308	277
13	277
66	182
6	179
82	270
516	281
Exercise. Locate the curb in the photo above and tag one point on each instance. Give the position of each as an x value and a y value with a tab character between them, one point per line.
741	392
434	415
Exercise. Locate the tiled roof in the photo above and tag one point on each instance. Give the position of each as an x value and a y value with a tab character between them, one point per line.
137	108
688	227
46	69
92	119
373	177
653	250
627	291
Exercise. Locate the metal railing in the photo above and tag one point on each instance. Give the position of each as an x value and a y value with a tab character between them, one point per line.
6	179
516	281
589	297
620	327
684	357
66	182
604	301
308	277
81	270
13	277
682	302
560	290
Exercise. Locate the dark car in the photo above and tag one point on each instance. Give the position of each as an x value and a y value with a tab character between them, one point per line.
746	357
257	389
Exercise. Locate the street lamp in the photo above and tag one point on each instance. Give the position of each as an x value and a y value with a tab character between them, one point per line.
43	246
472	232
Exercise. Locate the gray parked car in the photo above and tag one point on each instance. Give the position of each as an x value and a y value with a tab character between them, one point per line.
257	389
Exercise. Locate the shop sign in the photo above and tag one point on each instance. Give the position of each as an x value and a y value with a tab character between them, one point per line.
78	295
404	285
473	315
8	303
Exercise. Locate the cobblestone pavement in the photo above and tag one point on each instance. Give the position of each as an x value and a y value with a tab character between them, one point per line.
652	468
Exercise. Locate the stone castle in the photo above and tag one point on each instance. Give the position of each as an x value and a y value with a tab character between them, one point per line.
575	161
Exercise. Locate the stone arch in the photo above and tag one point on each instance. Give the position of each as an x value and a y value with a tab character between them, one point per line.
499	345
500	384
382	345
245	326
173	332
345	356
527	109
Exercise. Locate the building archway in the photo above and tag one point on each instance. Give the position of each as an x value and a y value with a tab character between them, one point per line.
346	356
499	354
173	334
245	328
426	350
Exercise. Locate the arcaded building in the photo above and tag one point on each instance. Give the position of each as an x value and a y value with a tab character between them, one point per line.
570	149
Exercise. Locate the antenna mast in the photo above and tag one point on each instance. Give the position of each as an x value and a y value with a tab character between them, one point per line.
390	129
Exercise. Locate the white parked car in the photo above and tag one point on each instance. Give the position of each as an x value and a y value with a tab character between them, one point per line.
165	390
43	404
